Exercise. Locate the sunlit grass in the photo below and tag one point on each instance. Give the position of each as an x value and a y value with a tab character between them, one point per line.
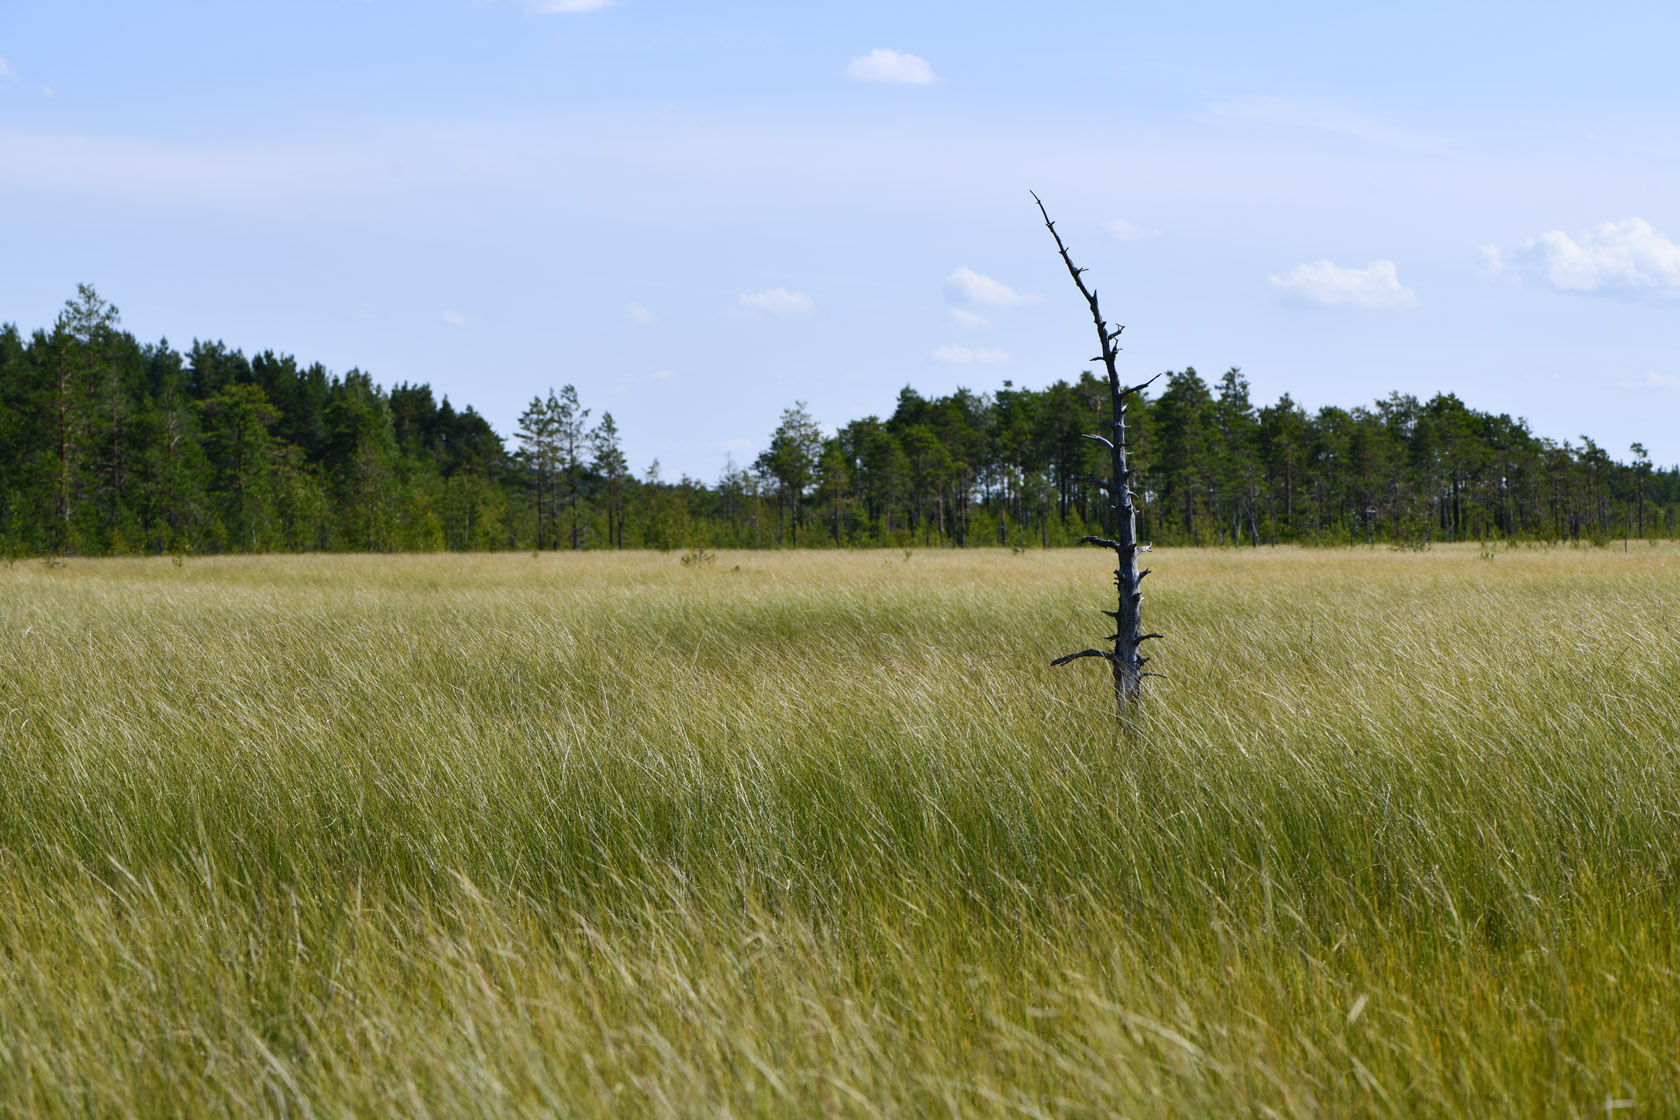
803	833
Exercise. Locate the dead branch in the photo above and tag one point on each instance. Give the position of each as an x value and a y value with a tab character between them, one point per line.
1083	653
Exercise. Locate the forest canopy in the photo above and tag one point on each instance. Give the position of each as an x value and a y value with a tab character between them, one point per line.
113	446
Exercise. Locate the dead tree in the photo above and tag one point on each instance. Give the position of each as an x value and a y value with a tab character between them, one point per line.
1127	659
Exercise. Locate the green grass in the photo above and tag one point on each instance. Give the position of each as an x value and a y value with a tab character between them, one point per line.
823	833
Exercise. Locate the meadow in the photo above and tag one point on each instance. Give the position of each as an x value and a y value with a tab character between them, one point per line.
823	833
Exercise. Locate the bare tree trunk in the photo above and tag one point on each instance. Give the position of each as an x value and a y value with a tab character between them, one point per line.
1127	659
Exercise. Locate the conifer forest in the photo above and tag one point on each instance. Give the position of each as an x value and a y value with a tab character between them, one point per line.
112	446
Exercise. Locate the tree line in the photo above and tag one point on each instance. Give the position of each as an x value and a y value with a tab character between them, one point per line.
113	446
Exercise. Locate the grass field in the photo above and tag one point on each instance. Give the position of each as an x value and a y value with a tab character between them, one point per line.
823	833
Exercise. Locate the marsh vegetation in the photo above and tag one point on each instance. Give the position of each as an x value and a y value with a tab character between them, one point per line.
823	833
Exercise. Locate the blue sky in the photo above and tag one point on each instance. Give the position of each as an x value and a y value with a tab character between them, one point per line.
700	213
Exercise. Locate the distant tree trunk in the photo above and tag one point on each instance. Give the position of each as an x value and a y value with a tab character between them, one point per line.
65	453
1127	659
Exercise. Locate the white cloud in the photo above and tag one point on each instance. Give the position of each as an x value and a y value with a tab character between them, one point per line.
1653	380
970	355
965	318
774	301
892	68
454	318
1122	230
553	7
967	286
636	313
1377	285
6	70
1615	258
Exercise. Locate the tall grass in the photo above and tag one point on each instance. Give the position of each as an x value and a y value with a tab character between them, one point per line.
824	833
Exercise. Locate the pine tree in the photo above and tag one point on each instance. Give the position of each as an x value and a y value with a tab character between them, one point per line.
362	461
82	343
1185	446
174	471
610	464
1239	460
792	461
833	485
569	433
237	423
539	452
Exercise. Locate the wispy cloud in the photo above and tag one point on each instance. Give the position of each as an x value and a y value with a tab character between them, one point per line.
245	173
1122	230
967	286
6	70
1627	258
1376	286
569	7
636	313
970	355
774	301
1653	380
1320	116
963	317
657	377
891	68
454	318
